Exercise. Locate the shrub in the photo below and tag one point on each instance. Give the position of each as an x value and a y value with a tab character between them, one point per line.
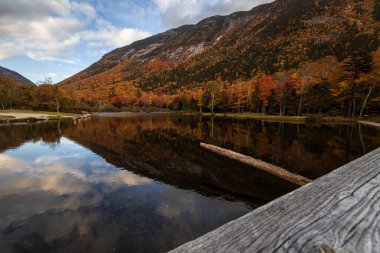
109	108
313	119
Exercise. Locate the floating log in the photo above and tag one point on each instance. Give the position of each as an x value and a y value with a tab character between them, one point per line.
370	123
267	167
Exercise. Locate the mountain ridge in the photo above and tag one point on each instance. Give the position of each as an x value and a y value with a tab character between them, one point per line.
171	33
269	38
19	78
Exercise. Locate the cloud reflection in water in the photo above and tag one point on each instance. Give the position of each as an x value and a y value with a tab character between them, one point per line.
68	199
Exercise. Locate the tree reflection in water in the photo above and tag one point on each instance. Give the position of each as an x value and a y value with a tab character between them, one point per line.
144	184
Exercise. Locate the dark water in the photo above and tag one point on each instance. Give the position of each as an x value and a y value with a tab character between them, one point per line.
143	184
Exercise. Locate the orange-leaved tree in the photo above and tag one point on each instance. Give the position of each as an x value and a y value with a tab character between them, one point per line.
265	86
371	80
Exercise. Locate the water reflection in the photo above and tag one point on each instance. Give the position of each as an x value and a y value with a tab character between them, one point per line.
143	184
309	151
167	149
68	199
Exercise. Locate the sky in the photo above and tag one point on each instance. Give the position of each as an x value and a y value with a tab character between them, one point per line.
58	38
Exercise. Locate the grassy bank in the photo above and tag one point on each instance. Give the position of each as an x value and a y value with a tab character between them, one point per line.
62	114
16	116
3	117
278	118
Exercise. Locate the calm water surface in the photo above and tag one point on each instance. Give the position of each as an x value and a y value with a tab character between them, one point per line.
144	184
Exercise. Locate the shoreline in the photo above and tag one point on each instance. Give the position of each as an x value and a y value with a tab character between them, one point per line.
277	118
132	114
29	116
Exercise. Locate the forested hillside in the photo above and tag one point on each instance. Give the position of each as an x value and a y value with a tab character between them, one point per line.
15	89
286	57
4	72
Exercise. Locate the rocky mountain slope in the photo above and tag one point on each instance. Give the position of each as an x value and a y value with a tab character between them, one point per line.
269	38
19	78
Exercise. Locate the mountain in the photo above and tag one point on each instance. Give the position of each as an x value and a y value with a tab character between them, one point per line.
269	38
19	78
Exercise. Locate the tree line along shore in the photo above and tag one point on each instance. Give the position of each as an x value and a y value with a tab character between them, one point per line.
327	87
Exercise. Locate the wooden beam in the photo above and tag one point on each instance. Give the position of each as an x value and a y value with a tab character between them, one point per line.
339	212
267	167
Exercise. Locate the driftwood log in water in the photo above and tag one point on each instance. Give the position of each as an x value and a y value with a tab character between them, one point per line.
267	167
370	123
339	212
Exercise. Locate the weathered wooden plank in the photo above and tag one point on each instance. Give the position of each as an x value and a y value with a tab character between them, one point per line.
267	167
338	212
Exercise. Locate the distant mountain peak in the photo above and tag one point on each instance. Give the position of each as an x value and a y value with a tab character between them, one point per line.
272	37
19	78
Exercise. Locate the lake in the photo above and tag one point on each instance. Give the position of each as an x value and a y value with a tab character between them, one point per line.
143	184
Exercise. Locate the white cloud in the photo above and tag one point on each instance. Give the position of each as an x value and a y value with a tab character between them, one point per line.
64	36
164	4
56	30
180	12
52	173
108	35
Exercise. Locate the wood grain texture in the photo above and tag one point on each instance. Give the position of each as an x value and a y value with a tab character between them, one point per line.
339	212
267	167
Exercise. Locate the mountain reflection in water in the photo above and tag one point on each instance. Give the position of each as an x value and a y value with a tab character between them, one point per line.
144	184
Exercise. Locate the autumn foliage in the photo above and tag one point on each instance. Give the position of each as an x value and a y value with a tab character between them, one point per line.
317	57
